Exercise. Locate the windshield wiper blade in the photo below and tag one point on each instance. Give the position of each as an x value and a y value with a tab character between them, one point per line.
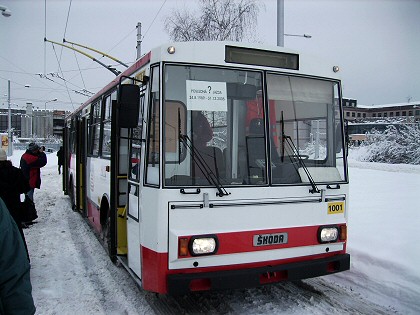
290	142
295	151
203	166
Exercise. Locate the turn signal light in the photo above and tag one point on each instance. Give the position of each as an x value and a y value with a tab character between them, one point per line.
183	247
343	232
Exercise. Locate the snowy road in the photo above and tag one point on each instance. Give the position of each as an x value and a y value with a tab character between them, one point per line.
71	273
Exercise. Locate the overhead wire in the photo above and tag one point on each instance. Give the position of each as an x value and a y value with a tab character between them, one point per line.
45	36
75	56
154	19
78	65
61	53
132	30
65	28
59	59
38	79
65	82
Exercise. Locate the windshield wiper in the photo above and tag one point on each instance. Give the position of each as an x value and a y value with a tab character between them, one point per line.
295	151
302	164
203	166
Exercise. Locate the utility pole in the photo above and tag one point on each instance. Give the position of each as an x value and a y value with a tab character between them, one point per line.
30	115
138	47
280	23
9	122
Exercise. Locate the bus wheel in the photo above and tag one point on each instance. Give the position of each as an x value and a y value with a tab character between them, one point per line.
71	195
106	238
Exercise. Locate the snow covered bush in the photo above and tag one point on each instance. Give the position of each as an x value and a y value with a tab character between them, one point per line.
394	145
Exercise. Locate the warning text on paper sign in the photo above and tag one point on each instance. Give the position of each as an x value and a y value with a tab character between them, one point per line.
207	96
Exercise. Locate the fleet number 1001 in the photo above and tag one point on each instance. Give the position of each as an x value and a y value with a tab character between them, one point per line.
335	207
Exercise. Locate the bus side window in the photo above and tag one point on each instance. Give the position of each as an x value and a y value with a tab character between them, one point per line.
175	124
95	129
153	141
106	136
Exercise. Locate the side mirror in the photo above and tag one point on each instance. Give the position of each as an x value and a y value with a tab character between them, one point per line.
129	105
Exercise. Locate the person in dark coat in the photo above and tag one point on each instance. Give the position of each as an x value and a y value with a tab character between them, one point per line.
30	163
12	184
15	282
60	156
202	131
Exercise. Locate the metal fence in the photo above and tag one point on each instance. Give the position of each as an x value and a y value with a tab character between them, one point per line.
49	147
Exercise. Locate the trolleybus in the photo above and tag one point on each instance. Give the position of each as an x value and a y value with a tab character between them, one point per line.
214	165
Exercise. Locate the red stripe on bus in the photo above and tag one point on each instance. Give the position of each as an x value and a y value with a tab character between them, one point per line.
93	215
242	242
154	270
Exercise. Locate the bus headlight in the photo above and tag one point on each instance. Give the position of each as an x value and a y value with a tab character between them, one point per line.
328	234
203	245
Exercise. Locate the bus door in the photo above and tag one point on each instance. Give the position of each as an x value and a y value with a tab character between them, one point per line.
81	166
119	171
122	176
134	194
132	136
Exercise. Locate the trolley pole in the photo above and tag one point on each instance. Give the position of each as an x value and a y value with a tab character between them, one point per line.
138	47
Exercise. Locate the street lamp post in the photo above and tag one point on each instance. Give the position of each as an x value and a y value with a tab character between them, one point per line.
298	35
9	121
280	23
29	116
46	118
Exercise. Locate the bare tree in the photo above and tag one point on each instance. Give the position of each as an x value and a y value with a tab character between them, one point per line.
216	20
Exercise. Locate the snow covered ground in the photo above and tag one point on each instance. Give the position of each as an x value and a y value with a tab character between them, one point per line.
71	273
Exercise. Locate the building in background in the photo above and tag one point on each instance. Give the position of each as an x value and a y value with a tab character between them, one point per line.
409	112
364	120
33	123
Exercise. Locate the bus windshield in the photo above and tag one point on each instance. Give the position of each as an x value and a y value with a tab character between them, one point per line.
215	125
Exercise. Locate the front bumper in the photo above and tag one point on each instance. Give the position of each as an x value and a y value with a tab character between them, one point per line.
179	284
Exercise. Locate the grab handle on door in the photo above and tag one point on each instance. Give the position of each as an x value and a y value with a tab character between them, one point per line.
190	192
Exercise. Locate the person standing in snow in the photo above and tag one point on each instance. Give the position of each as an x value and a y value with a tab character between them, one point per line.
60	156
31	162
12	184
15	282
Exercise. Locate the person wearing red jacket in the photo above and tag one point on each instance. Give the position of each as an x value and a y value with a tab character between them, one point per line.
31	162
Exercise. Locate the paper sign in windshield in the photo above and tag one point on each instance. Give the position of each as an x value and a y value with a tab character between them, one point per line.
205	95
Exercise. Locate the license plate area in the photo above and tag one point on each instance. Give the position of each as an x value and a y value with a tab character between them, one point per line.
270	239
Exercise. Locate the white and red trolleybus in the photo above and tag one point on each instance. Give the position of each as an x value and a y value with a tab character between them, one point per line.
211	165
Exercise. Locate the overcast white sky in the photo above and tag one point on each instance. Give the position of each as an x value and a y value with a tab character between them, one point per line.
376	43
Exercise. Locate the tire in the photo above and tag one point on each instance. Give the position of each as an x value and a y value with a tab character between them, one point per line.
71	195
106	235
